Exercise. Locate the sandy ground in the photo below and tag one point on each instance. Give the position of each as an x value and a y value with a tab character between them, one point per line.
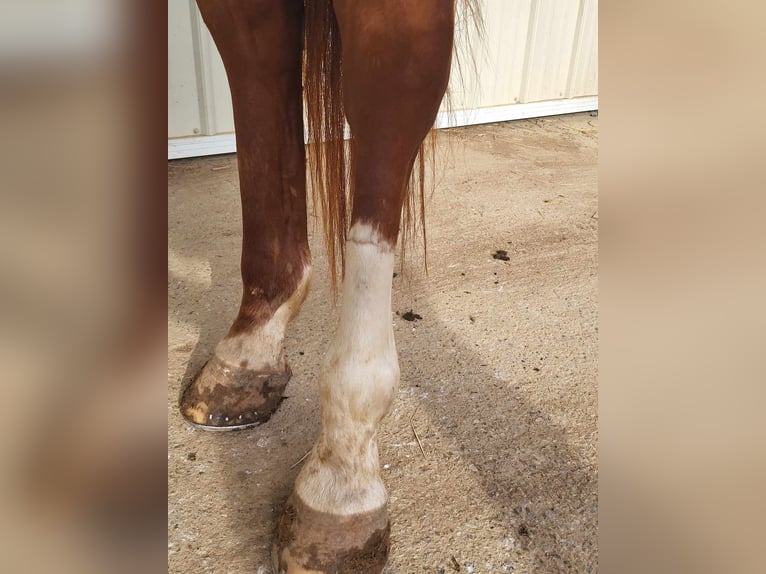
498	377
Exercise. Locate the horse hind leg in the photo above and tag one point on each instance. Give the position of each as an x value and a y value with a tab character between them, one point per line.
396	60
260	42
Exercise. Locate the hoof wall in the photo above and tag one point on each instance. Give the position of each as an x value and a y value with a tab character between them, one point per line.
308	541
222	397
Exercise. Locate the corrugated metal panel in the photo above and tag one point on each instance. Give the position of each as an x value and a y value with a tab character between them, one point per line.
183	102
533	51
583	77
550	42
492	68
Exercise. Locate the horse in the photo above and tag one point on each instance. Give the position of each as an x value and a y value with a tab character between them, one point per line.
382	67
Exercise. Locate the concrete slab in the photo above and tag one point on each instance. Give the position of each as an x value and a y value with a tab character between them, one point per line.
498	377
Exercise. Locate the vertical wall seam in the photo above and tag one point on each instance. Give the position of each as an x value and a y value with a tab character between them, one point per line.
205	98
576	49
528	51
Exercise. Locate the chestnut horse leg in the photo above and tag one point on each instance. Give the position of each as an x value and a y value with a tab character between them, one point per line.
396	62
260	42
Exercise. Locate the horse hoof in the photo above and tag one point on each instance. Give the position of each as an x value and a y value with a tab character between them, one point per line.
312	542
222	397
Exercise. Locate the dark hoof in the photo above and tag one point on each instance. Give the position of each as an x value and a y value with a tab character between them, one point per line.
308	541
222	397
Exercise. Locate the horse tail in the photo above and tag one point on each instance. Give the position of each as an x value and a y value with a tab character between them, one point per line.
330	156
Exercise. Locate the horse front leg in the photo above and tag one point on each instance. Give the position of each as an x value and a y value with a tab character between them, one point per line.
396	61
260	42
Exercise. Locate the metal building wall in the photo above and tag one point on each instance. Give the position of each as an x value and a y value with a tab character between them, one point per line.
538	57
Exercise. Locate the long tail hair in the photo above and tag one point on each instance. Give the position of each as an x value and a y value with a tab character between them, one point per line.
330	155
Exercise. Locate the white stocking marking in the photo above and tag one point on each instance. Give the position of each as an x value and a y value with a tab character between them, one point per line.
357	385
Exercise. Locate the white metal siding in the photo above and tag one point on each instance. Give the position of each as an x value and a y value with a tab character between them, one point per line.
499	57
583	77
552	25
538	57
183	102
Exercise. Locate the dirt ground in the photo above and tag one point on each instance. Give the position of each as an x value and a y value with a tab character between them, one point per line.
498	378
